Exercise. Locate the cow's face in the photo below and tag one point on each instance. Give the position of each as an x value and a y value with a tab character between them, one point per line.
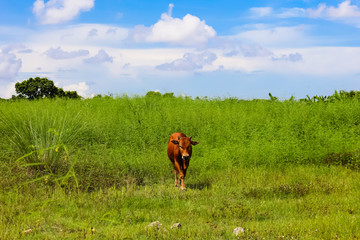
185	146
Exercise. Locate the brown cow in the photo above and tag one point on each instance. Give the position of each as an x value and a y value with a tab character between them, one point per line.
179	152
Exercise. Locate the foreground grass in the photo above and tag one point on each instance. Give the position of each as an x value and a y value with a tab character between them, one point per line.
300	202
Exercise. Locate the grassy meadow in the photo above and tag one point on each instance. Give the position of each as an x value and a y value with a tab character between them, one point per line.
98	169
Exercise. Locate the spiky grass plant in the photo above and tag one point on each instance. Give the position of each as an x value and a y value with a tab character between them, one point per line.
40	135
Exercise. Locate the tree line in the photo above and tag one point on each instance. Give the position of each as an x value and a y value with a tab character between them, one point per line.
37	88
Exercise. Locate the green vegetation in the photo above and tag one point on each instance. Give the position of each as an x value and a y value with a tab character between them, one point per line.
97	168
35	88
336	97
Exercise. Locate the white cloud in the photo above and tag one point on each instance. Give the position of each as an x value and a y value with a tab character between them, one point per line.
81	88
12	47
26	51
261	11
93	33
189	62
100	57
274	36
234	47
345	12
189	30
292	57
311	61
9	64
80	34
292	13
7	89
58	53
320	62
58	11
253	50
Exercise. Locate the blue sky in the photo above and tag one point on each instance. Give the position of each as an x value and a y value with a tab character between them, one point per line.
227	48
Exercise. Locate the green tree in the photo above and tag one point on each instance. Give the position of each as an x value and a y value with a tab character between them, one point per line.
153	94
168	95
68	94
35	88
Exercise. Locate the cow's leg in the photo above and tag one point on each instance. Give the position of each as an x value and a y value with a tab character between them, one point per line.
184	172
184	169
176	181
182	183
181	174
182	180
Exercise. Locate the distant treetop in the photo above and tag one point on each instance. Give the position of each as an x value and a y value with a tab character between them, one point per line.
36	88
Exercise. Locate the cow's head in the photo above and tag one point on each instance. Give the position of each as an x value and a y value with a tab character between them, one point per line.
185	146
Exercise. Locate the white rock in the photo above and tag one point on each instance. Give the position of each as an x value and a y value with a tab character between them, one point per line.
28	231
176	226
156	225
238	231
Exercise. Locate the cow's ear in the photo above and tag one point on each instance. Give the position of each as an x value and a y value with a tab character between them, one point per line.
176	142
194	142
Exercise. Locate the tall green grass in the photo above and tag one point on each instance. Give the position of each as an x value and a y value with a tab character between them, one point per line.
39	132
117	140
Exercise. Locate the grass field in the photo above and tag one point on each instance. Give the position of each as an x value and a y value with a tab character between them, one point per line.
98	169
